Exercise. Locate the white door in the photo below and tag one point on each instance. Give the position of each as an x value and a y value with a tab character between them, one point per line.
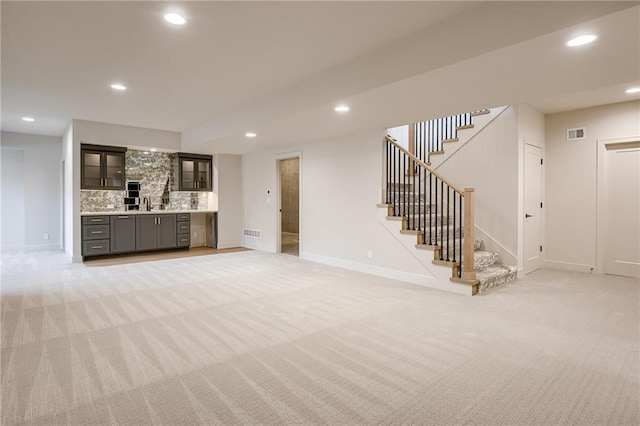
532	208
622	211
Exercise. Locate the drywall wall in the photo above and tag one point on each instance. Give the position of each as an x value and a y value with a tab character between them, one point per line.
31	193
93	132
228	187
489	164
71	195
12	198
531	127
339	221
571	180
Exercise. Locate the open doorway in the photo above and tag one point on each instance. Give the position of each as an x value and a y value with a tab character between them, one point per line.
289	175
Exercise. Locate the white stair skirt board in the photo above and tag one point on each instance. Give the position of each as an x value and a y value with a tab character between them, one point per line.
466	135
441	273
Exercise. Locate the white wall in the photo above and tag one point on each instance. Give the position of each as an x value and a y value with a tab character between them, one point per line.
12	199
489	164
93	132
31	194
340	187
228	187
571	180
71	196
531	126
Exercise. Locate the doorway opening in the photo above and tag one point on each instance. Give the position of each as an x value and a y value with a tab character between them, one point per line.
289	176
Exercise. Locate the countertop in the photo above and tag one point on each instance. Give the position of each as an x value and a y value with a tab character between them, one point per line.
137	212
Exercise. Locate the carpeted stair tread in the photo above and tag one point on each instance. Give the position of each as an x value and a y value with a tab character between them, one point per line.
495	275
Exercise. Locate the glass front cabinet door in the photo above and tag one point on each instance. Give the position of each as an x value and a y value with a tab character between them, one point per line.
193	172
102	167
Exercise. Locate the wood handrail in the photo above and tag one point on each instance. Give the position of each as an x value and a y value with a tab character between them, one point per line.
425	165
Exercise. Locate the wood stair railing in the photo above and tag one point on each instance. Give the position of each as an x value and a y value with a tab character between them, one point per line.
434	209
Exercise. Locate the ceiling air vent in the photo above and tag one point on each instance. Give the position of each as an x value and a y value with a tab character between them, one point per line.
575	134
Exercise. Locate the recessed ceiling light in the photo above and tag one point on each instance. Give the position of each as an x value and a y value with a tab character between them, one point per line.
341	108
250	135
633	90
153	150
29	119
175	18
581	40
118	86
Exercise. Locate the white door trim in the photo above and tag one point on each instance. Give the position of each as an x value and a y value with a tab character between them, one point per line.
600	195
278	206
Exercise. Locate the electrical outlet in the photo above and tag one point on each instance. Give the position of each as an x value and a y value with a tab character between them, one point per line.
46	236
110	206
370	254
195	235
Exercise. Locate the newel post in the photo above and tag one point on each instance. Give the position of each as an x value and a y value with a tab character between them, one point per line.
468	271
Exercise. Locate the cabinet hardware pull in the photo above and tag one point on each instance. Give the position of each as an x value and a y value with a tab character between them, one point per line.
96	247
123	217
96	220
96	232
184	240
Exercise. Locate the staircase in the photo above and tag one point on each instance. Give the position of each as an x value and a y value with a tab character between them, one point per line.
439	214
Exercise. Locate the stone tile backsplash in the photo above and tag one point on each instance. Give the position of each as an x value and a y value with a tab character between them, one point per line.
153	170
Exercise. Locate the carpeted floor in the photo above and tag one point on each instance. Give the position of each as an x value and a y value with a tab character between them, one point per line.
259	338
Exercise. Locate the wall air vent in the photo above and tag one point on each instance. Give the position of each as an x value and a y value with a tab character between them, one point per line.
575	134
251	233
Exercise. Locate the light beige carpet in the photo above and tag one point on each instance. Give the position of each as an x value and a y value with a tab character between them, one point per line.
257	338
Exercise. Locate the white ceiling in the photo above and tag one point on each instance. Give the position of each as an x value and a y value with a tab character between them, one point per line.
278	68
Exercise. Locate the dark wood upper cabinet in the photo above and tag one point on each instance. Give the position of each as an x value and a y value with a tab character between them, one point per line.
192	172
102	167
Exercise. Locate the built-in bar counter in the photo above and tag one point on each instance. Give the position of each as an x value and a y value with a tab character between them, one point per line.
118	232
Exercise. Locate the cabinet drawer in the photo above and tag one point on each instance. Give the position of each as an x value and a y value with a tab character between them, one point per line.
95	247
184	216
95	232
184	240
184	227
94	220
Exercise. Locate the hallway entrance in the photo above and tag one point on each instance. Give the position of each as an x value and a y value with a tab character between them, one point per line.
289	176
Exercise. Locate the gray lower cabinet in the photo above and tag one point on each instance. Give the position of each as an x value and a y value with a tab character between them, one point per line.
184	229
155	232
123	234
95	235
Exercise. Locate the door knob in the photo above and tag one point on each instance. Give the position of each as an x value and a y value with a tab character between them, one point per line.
526	215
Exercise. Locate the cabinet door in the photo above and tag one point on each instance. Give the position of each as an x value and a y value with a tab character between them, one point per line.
146	232
167	231
203	169
91	170
123	234
187	174
113	170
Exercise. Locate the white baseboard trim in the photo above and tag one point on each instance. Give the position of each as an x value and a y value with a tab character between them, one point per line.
252	243
418	279
30	248
568	266
229	245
